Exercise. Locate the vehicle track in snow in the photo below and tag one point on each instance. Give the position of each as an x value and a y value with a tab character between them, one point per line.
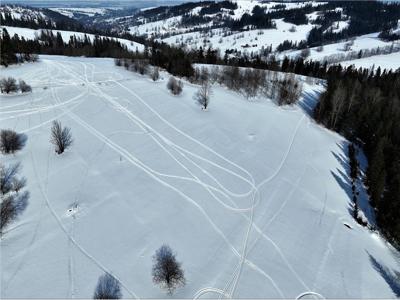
195	203
183	157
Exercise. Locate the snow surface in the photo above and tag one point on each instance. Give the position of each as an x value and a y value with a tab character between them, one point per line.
363	42
31	34
89	11
388	61
254	198
256	39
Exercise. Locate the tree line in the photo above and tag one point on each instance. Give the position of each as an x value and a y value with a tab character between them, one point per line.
364	106
17	49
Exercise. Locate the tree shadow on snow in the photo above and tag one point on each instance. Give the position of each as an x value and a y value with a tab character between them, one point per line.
308	102
392	278
345	182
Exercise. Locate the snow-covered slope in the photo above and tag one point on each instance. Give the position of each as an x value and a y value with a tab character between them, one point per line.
88	11
247	41
31	34
336	51
254	198
389	61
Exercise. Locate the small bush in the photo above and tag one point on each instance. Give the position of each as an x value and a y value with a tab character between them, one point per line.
10	141
61	137
305	53
167	272
155	74
108	287
175	86
24	87
118	62
8	85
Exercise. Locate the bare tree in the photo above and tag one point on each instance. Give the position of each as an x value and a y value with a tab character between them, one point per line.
203	95
108	287
175	86
7	175
61	137
8	85
10	141
13	203
167	272
24	87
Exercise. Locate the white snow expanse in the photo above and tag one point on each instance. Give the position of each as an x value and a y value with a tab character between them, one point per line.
251	196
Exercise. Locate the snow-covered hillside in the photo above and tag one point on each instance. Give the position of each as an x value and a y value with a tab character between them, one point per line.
31	34
245	42
88	11
389	61
254	198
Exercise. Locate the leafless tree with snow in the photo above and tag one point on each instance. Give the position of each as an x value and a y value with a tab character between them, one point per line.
203	95
108	287
61	137
167	272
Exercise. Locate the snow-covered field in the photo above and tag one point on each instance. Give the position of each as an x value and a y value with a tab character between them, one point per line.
31	34
247	41
252	197
88	11
389	61
363	42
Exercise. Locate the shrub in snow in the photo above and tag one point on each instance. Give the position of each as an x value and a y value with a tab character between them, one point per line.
8	85
203	95
155	74
305	53
289	90
118	62
108	287
24	87
167	272
10	141
13	201
175	86
61	137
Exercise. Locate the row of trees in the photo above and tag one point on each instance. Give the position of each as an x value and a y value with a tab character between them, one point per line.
15	49
166	272
364	105
284	89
